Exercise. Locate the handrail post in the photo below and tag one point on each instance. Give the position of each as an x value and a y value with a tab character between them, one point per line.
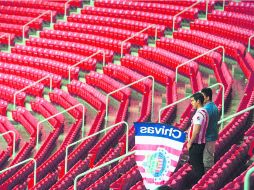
23	27
126	86
186	9
100	166
13	143
183	99
218	47
46	119
25	88
132	36
94	134
24	161
9	39
85	59
249	42
65	8
247	178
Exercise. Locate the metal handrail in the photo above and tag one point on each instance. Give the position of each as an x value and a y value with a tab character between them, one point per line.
94	134
126	86
13	143
70	108
23	27
65	8
9	39
218	47
24	161
85	59
249	42
186	9
183	99
34	83
247	178
100	166
132	36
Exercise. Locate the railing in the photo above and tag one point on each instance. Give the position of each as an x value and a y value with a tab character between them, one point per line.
85	59
24	161
249	42
99	132
218	47
126	86
183	99
70	108
247	179
13	143
132	36
186	9
23	27
9	39
65	8
34	83
101	166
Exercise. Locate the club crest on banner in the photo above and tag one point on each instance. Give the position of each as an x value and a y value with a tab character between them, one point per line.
157	151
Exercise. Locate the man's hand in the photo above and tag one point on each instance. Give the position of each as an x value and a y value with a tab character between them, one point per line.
189	145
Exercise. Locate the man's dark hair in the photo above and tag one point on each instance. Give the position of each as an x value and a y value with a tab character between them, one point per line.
198	96
208	92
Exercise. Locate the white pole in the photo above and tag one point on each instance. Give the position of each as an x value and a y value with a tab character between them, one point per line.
99	132
70	108
34	83
126	86
85	59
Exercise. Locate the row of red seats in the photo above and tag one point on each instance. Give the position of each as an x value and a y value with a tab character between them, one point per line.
150	17
98	41
138	186
77	48
7	94
127	76
15	29
237	19
45	108
8	137
20	11
225	30
40	63
20	83
47	182
233	49
189	50
168	60
60	56
216	177
52	161
177	179
4	38
38	4
249	132
87	93
66	101
200	6
21	20
7	124
109	32
127	180
84	147
31	74
241	7
148	7
3	107
122	167
145	67
125	24
238	182
107	84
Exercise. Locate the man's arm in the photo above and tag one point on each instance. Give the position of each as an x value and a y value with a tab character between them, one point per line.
195	132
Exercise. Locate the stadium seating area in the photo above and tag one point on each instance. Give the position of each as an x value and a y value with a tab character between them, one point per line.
104	25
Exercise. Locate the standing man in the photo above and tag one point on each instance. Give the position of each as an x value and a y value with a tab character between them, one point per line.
212	129
196	135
